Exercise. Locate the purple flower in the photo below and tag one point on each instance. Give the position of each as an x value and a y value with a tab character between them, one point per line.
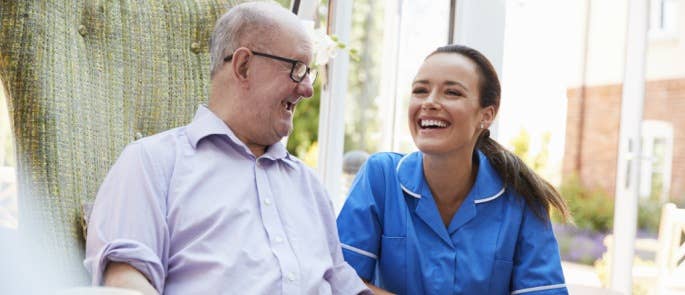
579	245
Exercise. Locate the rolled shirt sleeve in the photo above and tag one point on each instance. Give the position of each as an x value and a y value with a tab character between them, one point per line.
341	276
128	221
537	264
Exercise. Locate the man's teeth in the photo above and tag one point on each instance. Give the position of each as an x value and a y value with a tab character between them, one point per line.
433	123
289	106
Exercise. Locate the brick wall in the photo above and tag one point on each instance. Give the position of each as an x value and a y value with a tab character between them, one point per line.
591	150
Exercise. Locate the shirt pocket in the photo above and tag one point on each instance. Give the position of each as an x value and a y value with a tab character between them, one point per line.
500	280
393	264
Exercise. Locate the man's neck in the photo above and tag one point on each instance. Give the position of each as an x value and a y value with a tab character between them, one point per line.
257	150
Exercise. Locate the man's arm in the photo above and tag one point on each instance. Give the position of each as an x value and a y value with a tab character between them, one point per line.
123	275
128	223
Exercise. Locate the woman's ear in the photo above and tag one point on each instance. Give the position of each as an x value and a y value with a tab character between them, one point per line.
488	115
240	64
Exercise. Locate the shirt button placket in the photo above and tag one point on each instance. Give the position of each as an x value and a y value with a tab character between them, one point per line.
275	231
291	277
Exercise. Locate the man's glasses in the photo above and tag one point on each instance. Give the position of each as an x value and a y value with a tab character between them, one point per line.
298	71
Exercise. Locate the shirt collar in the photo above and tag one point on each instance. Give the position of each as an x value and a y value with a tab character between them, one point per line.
487	187
206	123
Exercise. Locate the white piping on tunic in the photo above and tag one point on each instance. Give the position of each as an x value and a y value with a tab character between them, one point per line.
397	169
540	288
406	190
491	198
413	194
359	251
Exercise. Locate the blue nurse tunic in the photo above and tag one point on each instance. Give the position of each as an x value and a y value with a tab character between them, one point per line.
392	234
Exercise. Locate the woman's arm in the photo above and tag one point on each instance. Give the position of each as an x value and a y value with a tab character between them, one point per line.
376	290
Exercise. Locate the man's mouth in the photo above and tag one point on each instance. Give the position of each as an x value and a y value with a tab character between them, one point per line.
289	106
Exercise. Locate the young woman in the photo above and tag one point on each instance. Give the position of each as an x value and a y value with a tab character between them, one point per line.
462	215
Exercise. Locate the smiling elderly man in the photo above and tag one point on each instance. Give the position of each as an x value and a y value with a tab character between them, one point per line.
219	206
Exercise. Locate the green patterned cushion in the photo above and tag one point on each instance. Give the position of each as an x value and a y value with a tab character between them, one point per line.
85	78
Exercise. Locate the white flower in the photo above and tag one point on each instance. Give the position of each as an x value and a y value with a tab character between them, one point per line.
324	46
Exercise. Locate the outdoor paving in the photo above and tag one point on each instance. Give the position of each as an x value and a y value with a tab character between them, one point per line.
582	279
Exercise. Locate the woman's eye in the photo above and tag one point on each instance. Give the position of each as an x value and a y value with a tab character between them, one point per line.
453	92
419	90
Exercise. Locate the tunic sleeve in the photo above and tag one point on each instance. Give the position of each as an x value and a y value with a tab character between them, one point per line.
537	264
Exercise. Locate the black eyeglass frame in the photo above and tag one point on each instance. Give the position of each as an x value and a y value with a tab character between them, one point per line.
293	63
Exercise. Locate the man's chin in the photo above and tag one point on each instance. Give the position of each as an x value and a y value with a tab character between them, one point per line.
284	132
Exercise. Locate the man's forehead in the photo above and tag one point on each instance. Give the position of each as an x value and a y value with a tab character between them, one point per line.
294	42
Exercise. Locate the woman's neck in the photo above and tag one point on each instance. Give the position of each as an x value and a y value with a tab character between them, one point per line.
450	178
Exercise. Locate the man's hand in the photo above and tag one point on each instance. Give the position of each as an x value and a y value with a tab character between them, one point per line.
123	275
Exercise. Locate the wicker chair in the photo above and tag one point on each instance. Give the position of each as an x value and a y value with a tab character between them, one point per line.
84	78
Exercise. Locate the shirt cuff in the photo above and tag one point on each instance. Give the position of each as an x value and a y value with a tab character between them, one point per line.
344	280
131	252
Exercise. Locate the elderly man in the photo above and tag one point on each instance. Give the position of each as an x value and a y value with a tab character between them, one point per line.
219	206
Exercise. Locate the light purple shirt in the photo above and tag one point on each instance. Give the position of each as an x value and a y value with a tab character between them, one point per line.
197	213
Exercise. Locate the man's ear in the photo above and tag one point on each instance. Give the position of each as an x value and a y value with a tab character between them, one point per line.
240	64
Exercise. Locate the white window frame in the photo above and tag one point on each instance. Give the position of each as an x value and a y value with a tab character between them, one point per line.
663	18
653	130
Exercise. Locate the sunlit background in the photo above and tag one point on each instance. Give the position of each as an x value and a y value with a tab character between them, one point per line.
562	65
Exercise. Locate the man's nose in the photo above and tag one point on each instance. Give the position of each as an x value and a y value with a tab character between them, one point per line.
305	87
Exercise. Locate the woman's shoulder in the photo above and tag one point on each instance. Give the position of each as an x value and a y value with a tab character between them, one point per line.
384	160
386	156
380	173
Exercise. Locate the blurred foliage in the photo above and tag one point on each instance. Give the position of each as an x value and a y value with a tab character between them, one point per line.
521	147
591	209
362	121
306	123
649	215
284	3
579	245
362	124
594	208
311	157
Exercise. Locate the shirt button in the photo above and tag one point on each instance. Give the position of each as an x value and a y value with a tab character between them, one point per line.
290	276
267	202
279	239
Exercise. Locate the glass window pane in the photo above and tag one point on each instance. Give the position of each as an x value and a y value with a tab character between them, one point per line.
389	47
424	27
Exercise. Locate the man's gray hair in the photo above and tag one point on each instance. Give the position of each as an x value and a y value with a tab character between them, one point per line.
247	24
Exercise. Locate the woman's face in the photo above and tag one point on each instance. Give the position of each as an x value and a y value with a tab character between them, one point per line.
444	111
